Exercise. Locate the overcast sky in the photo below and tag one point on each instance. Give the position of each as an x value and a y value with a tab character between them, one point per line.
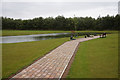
28	9
60	0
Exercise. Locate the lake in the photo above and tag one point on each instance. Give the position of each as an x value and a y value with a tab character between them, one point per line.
38	37
28	38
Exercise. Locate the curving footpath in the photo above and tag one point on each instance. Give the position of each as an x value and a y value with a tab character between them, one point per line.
53	64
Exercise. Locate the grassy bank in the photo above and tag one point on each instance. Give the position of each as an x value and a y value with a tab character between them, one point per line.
18	55
27	32
100	60
30	32
96	59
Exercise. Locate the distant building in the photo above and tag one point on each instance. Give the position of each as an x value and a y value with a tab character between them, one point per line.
119	7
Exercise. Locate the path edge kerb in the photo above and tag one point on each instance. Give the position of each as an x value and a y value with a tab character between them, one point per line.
70	63
66	71
67	66
24	67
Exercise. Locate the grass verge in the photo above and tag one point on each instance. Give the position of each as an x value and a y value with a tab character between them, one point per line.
97	58
30	32
18	55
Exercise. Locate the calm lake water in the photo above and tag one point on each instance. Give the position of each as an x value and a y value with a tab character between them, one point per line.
37	37
28	38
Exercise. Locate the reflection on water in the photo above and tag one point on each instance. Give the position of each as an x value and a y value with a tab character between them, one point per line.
37	37
28	38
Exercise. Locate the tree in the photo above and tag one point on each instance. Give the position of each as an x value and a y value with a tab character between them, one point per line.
62	23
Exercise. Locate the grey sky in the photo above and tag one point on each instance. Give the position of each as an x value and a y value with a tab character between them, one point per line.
26	10
60	0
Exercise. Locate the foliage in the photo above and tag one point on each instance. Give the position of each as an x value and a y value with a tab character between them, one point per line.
62	23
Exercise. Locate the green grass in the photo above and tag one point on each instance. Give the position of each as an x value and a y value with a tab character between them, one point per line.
18	55
27	32
97	58
30	32
100	60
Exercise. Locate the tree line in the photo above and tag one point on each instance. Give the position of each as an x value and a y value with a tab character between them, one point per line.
62	23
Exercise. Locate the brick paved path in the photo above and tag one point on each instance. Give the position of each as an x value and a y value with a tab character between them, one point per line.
53	64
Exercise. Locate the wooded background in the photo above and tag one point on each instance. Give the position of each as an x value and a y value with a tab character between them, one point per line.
62	23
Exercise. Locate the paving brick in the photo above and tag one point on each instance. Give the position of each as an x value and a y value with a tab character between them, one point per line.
53	64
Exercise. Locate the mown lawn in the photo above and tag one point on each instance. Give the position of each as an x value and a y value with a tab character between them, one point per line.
18	55
97	58
30	32
27	32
